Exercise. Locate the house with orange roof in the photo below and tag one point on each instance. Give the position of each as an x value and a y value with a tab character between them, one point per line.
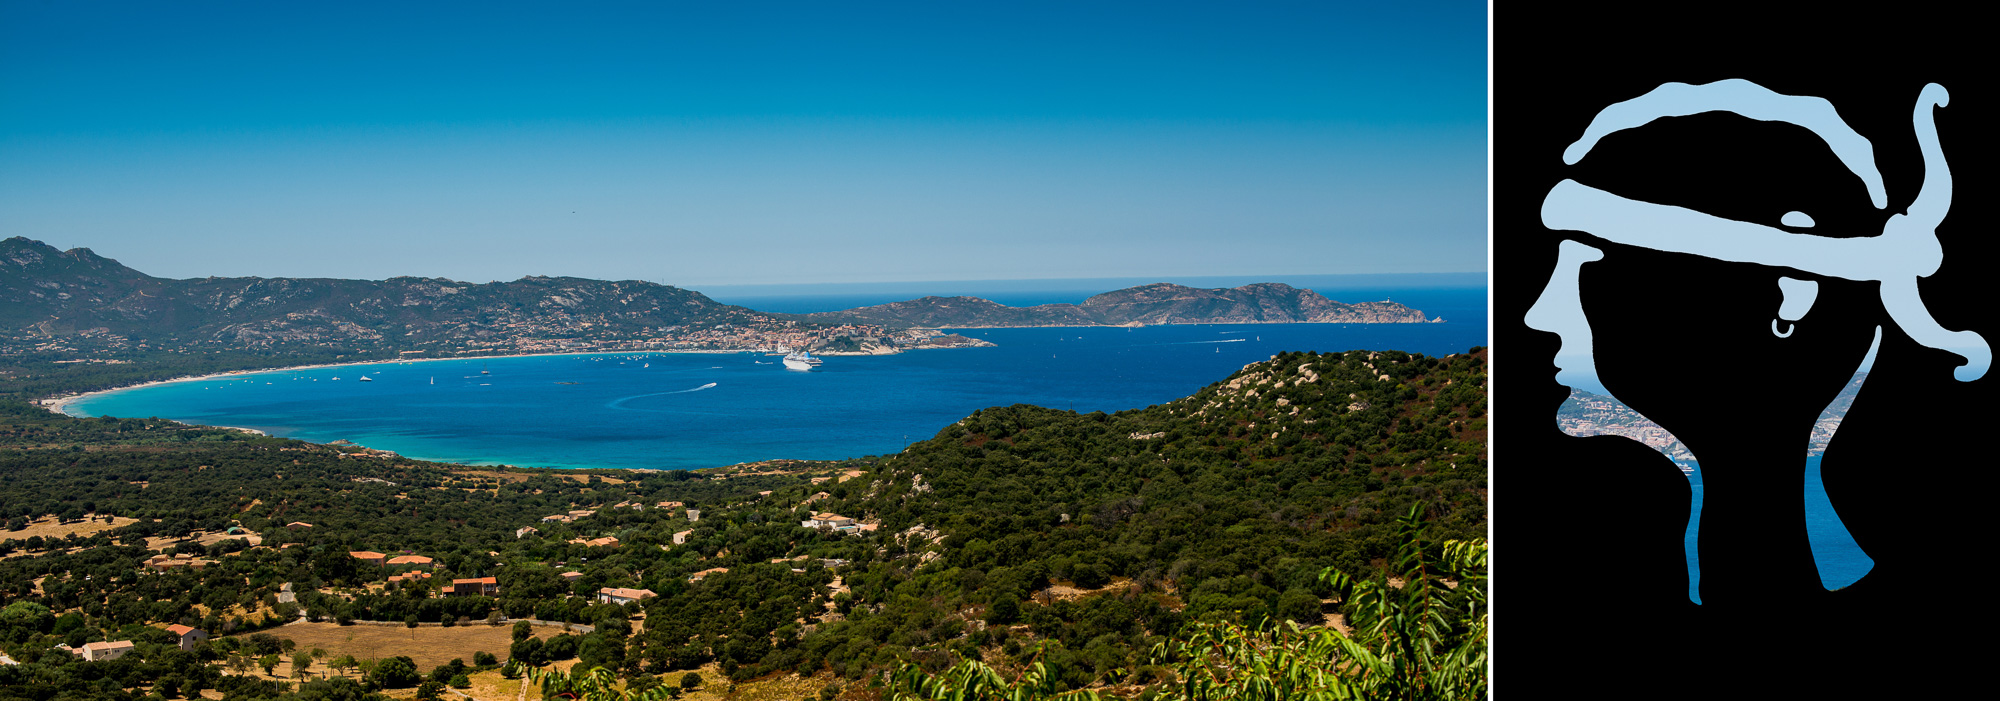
417	561
417	576
614	595
370	557
483	586
189	635
698	576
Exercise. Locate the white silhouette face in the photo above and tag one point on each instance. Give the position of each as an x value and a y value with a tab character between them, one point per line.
1560	311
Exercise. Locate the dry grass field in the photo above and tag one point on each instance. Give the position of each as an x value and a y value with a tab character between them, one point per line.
428	646
47	527
492	686
431	646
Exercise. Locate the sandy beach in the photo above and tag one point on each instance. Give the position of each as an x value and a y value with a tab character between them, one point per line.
64	404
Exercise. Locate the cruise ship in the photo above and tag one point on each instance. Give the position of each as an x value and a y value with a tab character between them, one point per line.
800	360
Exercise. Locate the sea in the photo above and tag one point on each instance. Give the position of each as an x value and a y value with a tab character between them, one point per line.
672	411
1840	559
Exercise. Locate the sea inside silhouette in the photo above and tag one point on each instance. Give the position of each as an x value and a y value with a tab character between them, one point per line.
691	410
1840	560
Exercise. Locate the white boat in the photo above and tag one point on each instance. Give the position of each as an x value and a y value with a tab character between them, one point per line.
365	378
800	361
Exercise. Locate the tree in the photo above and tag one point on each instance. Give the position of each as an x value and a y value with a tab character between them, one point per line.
522	630
1005	609
27	614
301	662
269	663
396	673
343	663
1425	640
594	684
971	680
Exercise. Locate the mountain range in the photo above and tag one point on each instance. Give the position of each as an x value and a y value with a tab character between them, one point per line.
1158	303
50	293
44	291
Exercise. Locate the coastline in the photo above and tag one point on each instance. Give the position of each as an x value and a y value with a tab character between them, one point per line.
1137	325
62	404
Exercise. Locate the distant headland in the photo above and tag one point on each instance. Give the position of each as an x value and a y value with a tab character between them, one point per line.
79	304
1157	303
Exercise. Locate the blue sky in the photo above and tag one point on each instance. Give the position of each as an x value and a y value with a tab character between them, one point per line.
748	143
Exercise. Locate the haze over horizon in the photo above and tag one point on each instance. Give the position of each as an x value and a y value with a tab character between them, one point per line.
785	143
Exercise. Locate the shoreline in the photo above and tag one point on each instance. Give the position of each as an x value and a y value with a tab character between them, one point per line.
62	404
1138	325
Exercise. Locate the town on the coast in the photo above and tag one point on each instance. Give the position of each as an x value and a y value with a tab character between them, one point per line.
1590	414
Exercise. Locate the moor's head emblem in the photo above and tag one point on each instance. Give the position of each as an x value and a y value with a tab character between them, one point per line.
1788	252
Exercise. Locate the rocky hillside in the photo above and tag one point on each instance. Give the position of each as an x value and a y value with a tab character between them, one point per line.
48	292
1158	303
1287	466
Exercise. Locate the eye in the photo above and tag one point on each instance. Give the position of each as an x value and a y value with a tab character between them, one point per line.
1797	220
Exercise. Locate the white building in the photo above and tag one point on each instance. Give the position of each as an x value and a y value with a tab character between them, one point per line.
98	652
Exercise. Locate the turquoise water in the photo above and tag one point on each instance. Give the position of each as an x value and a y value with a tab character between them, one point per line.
678	411
1840	560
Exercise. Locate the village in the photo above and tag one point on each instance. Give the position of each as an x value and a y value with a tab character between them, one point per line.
407	573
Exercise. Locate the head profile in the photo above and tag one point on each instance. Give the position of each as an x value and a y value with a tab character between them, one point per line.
1670	308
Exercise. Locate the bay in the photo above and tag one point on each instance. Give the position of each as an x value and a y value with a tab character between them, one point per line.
691	410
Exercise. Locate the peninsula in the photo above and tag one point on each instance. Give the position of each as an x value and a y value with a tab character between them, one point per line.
1158	303
85	307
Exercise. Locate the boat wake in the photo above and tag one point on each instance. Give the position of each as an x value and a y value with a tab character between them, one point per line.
619	403
1226	340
